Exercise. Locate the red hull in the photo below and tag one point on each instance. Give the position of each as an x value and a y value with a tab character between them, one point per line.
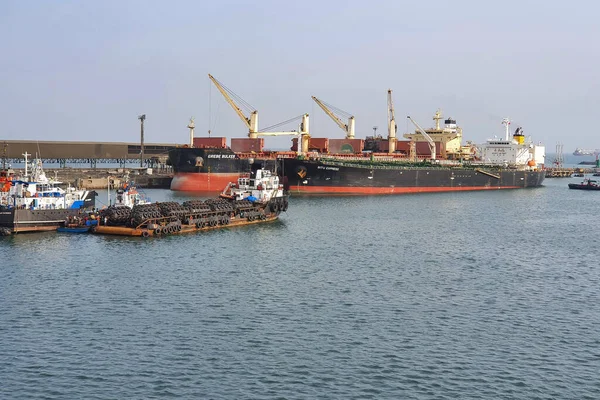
341	190
202	182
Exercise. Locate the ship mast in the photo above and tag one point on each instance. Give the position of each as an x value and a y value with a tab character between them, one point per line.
191	127
436	118
391	124
506	123
26	155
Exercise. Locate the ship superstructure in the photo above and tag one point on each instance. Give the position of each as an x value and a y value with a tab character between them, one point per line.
512	151
449	136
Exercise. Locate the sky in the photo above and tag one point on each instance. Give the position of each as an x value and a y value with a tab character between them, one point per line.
85	70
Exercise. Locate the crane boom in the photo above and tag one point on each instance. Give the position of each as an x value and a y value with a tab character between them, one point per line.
391	124
302	133
348	128
252	122
426	135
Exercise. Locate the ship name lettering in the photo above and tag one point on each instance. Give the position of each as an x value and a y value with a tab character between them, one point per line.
221	156
328	168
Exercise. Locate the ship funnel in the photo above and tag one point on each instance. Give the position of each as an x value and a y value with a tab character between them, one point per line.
518	136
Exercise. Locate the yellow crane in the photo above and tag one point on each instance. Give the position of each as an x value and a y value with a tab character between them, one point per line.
252	121
348	128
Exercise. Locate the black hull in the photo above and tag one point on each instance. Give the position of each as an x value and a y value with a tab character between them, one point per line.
583	187
218	161
211	169
320	177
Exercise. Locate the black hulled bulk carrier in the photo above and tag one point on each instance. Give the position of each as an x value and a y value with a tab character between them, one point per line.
431	160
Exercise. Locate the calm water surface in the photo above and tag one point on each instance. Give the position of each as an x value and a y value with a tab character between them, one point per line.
436	296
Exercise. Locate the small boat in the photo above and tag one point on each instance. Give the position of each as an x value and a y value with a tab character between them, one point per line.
73	229
75	224
587	184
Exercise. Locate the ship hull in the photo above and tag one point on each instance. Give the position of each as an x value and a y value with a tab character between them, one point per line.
35	220
209	170
202	181
25	220
311	177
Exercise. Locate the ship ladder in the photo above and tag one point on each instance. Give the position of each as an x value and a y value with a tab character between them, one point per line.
487	173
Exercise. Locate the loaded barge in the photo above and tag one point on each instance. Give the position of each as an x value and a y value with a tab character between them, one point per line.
253	199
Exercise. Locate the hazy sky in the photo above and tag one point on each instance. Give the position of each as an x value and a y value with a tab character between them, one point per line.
84	70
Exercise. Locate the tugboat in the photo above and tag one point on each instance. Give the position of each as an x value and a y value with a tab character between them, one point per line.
256	198
587	184
36	203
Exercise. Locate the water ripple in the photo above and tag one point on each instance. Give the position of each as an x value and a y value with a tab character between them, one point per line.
430	296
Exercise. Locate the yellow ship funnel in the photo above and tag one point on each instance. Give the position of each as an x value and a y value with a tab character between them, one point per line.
520	138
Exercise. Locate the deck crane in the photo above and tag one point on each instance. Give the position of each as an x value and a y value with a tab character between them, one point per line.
303	132
348	128
391	124
426	135
252	122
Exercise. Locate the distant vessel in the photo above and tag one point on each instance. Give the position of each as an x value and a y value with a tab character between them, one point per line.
585	152
36	203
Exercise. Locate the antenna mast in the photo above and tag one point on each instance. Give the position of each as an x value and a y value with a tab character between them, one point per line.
26	155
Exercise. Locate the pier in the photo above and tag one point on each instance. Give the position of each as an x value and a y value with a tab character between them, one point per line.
154	155
147	169
559	172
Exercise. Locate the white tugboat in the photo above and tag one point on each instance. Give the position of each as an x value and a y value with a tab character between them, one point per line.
261	186
128	196
36	203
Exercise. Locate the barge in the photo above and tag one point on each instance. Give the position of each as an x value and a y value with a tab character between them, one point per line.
254	199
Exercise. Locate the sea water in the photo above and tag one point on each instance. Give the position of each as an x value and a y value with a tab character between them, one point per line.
478	295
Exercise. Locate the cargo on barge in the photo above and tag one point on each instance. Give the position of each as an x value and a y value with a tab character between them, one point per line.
254	199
